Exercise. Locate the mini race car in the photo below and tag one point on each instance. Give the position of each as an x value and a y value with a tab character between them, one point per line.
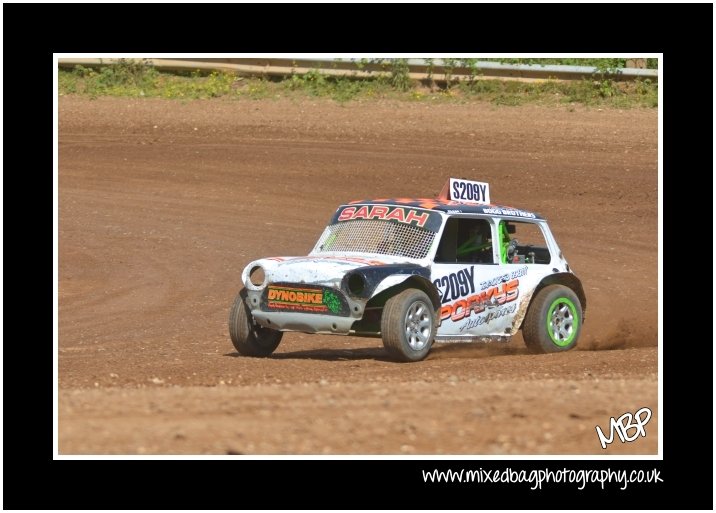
416	271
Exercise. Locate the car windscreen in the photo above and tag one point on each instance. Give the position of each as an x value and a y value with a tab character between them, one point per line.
381	229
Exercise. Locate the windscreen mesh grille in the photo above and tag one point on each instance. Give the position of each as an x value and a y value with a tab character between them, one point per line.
373	236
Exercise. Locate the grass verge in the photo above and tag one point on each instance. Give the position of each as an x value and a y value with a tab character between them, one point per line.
136	79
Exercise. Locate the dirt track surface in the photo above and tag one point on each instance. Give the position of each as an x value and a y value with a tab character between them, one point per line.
162	203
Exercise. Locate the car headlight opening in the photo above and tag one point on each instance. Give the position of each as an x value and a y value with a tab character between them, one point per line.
257	276
356	284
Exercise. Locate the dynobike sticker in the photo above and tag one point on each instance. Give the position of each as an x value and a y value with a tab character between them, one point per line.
304	299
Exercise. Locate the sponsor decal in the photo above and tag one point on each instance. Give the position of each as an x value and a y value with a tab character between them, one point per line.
385	213
508	212
331	301
522	271
494	281
322	258
304	299
468	191
490	316
476	303
295	299
456	285
517	273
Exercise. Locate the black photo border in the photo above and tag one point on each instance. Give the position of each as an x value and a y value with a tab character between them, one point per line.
33	33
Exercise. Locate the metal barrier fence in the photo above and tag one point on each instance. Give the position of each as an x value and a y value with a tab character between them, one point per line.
418	69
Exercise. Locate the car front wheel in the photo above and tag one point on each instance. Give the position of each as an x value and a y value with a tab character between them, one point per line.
249	338
408	325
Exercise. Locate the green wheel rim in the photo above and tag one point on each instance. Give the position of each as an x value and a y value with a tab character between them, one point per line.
562	321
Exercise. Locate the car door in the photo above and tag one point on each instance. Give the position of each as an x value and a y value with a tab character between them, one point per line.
465	262
524	258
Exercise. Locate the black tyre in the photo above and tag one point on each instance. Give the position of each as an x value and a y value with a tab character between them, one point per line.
408	325
249	338
553	321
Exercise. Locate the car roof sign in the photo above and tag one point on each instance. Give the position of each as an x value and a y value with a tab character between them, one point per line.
466	191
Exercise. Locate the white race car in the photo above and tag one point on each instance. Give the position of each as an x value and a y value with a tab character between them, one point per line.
416	271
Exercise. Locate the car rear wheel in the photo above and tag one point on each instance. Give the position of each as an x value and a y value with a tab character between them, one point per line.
249	338
408	325
553	321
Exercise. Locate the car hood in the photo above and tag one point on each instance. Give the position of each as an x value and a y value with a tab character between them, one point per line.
319	270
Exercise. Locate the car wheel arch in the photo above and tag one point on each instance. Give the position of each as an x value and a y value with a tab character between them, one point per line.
568	280
395	284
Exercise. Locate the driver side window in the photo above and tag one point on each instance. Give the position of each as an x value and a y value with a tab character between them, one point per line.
466	241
